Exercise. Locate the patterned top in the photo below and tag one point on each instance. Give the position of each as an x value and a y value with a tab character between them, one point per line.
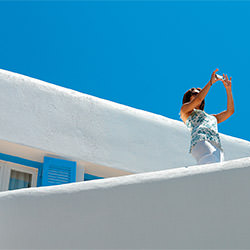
203	127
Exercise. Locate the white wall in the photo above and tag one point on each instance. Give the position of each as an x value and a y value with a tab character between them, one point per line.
199	207
83	127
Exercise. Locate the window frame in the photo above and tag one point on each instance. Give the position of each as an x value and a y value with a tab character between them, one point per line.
5	171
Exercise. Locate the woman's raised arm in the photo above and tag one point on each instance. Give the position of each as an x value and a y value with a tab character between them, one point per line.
221	117
187	107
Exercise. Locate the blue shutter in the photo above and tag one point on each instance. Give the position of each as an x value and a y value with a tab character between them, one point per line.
58	171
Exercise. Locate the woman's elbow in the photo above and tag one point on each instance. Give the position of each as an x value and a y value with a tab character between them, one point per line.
231	111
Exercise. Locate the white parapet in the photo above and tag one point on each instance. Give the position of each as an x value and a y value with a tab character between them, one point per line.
198	207
68	123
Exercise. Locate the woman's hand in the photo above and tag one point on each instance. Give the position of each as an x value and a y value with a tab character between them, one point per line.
227	83
213	78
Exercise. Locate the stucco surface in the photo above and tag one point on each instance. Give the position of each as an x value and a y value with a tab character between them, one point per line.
68	123
198	207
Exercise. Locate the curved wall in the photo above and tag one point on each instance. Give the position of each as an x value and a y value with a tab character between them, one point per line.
71	124
199	207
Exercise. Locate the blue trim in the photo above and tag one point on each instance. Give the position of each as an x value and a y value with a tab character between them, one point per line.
22	161
89	177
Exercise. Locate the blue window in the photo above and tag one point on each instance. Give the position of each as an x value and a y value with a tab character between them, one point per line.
25	162
58	171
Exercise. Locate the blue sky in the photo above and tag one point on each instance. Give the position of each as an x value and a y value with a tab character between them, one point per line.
143	54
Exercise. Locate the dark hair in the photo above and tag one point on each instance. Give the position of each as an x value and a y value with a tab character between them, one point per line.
189	93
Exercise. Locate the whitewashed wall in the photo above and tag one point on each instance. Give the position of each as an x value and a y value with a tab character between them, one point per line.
199	207
38	114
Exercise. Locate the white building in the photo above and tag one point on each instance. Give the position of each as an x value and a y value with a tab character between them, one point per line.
51	135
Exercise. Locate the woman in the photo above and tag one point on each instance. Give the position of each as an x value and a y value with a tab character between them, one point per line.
205	144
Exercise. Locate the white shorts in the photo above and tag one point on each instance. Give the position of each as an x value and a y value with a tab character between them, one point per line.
206	152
